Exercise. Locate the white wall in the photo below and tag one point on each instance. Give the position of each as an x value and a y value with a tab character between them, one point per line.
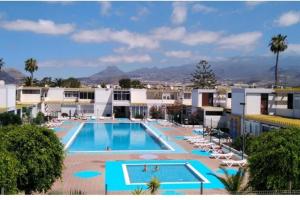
103	102
30	98
138	96
8	96
55	94
253	102
237	98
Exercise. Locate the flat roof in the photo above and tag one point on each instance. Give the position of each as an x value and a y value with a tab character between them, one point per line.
275	120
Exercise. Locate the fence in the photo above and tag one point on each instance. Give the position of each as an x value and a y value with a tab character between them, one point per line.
271	192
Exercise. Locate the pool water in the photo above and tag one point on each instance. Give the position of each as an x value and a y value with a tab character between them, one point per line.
115	136
165	173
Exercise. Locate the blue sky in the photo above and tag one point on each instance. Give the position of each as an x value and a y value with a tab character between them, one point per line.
81	38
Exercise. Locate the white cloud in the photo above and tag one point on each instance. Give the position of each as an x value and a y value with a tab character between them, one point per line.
105	7
167	33
293	49
245	41
141	12
126	59
41	26
288	19
199	8
179	13
201	37
179	54
133	40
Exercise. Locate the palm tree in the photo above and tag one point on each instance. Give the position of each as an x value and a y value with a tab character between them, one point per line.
153	185
1	63
138	191
58	82
278	44
31	66
234	184
27	81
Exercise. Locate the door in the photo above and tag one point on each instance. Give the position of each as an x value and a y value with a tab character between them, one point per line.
264	104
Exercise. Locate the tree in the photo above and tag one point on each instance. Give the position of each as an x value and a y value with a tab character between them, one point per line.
153	185
40	154
176	110
204	77
1	63
9	118
46	81
58	82
156	112
238	143
274	160
125	83
9	171
40	118
136	84
234	184
71	83
31	66
278	44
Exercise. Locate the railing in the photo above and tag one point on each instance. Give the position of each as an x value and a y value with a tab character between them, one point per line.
270	192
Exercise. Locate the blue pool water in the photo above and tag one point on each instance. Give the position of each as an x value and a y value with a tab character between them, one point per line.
115	136
165	173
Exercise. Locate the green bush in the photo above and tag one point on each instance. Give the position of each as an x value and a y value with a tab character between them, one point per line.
9	118
40	155
40	118
238	143
274	162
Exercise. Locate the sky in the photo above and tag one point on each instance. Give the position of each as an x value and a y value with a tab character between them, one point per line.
81	38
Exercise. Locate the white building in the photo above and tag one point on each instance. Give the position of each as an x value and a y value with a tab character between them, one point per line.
7	97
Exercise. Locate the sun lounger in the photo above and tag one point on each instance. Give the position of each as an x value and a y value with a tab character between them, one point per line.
198	130
198	141
191	137
231	163
203	144
222	155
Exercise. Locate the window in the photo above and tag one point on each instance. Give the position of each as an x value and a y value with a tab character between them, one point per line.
187	95
30	91
229	95
219	113
122	95
290	100
86	95
71	94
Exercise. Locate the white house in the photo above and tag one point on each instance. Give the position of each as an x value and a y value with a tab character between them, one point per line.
7	97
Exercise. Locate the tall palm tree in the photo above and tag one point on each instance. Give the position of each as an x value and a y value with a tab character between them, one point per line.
58	82
234	184
31	66
1	63
278	44
153	185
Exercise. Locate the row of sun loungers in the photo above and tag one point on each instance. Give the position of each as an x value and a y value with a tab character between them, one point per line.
230	163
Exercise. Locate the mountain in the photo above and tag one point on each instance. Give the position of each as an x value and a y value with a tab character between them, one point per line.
258	70
11	75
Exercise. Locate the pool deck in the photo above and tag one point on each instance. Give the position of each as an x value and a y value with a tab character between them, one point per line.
96	162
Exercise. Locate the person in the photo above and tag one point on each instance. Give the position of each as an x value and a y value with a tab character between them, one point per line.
145	168
156	168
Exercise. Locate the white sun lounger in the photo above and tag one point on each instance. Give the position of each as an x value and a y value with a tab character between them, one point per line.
230	163
198	141
191	137
222	155
203	144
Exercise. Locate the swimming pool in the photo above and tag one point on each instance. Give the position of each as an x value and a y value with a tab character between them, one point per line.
103	137
166	173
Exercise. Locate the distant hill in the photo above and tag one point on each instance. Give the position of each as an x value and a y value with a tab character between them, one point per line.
11	75
245	69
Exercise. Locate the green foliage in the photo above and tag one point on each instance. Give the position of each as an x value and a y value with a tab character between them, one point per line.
275	160
9	118
238	143
39	153
204	77
234	184
153	185
40	118
156	112
125	83
71	83
9	171
31	66
139	116
138	191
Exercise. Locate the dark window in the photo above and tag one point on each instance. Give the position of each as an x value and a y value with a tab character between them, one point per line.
229	95
290	100
187	95
122	95
219	113
264	104
31	91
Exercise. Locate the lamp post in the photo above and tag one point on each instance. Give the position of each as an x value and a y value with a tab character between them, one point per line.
242	129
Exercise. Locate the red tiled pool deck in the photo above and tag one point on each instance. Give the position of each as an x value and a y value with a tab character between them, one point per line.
96	162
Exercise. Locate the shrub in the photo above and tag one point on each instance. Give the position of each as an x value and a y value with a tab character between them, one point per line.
9	118
40	118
